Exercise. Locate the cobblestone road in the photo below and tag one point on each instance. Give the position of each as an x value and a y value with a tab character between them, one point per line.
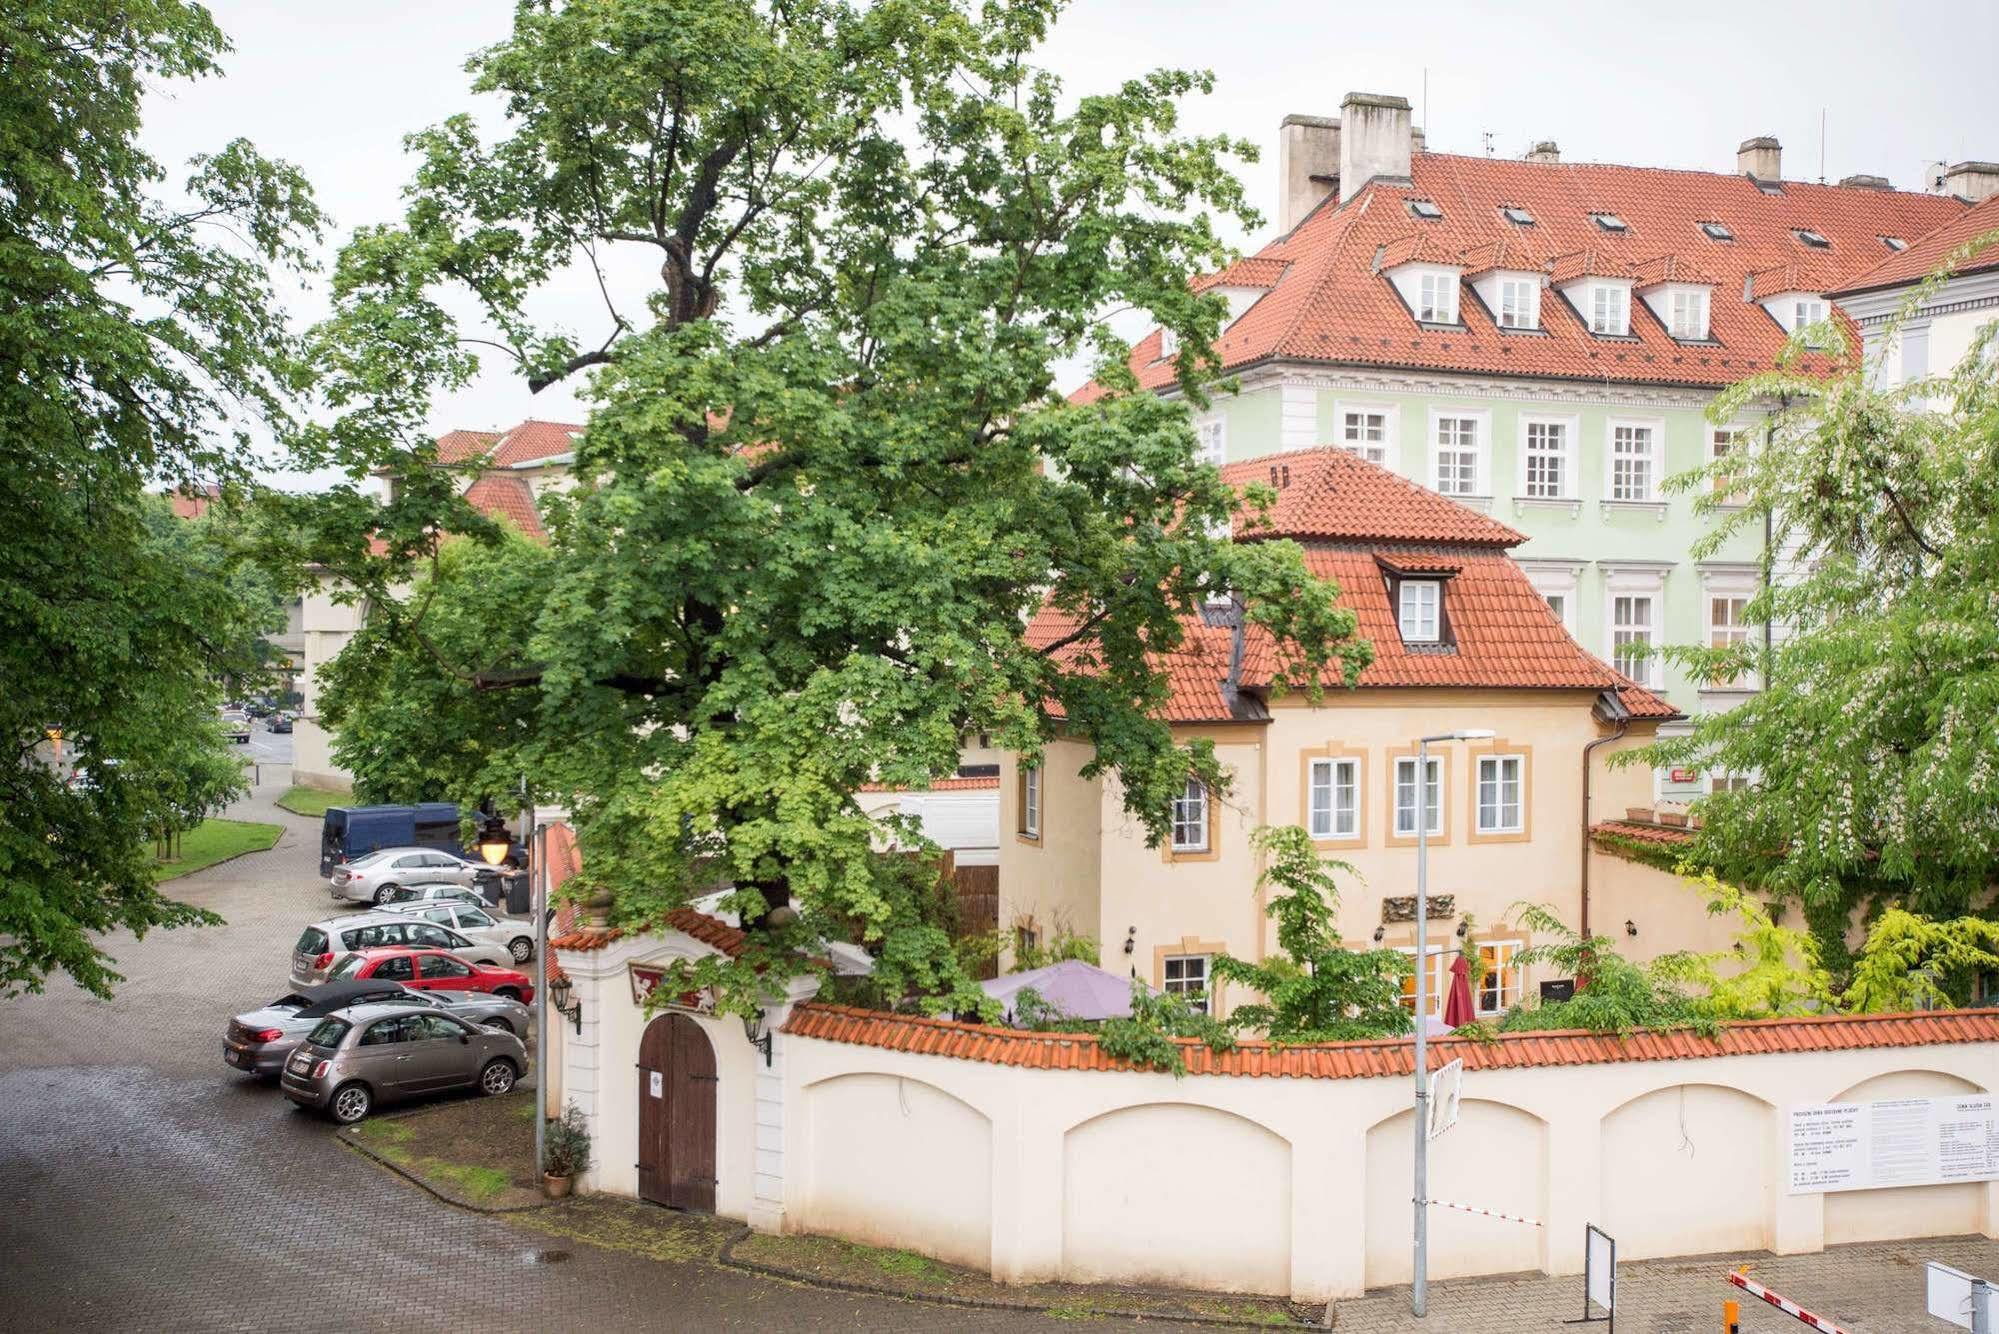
143	1188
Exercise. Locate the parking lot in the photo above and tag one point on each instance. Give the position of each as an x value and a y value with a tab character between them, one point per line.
143	1186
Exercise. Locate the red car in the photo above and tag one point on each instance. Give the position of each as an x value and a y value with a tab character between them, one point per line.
432	970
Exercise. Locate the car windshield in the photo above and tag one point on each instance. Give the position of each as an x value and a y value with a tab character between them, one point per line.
348	966
328	1032
312	941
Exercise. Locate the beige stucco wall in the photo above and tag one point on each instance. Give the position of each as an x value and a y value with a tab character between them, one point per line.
1302	1185
1054	880
325	626
1670	914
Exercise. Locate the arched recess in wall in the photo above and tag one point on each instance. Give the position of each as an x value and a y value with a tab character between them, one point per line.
1688	1169
1905	1211
1496	1157
898	1162
1177	1193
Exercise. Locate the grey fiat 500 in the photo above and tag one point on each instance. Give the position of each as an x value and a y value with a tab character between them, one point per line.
378	1053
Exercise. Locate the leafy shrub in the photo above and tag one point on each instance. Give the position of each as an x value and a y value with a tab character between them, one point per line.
566	1144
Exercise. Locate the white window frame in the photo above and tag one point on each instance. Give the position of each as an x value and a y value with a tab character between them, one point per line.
1200	996
1570	428
1438	957
1390	416
1687	317
1190	812
1525	294
1647	667
1498	763
1654	458
1609	309
1341	779
1729	585
1402	818
1510	990
1030	801
1806	311
1551	581
1437	296
1481	450
1418	622
1721	442
1169	343
1211	436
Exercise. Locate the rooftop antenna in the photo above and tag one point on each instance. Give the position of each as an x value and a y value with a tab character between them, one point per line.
1487	136
1428	128
1821	145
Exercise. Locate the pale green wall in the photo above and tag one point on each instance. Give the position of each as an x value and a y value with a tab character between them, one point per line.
1252	422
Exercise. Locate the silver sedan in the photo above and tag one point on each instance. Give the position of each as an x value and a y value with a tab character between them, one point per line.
376	877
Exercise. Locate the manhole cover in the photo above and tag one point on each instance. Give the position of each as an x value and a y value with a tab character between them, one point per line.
547	1257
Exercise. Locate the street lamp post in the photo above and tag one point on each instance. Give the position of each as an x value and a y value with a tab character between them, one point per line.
1419	1290
494	844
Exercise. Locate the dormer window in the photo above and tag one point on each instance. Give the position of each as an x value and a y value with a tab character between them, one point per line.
1609	222
1520	217
1689	314
1519	303
1169	344
1437	298
1813	239
1717	231
1419	599
1609	310
1895	243
1425	209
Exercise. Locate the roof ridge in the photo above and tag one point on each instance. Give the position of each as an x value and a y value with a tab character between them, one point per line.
1677	171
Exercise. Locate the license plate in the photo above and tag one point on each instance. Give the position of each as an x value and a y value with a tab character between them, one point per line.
301	1064
231	1055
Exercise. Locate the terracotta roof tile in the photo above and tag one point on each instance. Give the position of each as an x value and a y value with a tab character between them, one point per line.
1251	272
987	782
1390	1057
534	440
1671	269
1590	262
1929	251
1332	307
498	496
565	859
1331	492
1663	835
461	446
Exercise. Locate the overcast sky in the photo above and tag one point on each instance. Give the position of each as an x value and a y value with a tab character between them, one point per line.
333	88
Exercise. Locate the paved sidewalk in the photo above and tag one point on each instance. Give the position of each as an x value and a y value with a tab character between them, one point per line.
1876	1288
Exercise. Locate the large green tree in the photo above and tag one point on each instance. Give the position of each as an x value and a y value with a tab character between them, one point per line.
139	339
1874	745
827	477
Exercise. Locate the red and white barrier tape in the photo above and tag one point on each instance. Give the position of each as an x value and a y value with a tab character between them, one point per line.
1487	1213
1784	1304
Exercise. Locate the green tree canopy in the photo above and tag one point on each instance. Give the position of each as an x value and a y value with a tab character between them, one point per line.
1875	742
827	477
140	338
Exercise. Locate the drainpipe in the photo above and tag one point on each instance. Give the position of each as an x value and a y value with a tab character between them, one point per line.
1589	749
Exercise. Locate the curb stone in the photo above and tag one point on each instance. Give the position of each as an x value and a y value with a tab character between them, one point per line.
355	1144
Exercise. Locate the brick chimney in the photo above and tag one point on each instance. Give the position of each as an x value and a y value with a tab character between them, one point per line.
1375	140
1862	181
1972	180
1761	158
1308	166
1545	151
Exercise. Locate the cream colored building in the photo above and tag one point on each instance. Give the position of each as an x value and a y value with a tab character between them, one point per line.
1935	336
1462	642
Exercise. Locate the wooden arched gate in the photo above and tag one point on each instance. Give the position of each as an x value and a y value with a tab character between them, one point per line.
677	1084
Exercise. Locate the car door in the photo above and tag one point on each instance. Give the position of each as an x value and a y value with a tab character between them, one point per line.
439	1053
432	936
408	867
443	973
381	1058
474	924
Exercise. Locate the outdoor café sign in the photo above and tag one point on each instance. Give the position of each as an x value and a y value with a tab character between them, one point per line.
646	977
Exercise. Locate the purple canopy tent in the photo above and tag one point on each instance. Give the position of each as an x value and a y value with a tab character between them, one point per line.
1079	990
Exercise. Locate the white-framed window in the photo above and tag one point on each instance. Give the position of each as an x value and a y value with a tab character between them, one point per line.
1457	455
1689	313
1437	298
1335	798
1547	447
1212	436
1727	626
1190	818
1437	959
1726	780
1186	976
1030	801
1806	310
1169	343
1634	462
1609	309
1722	441
1633	629
1364	429
1405	796
1417	603
1519	303
1501	809
1500	988
1559	604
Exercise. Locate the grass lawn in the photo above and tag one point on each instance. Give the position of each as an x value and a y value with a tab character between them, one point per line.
314	800
214	841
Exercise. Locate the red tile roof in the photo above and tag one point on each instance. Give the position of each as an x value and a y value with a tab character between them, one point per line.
1250	272
462	446
1391	1057
1331	492
1671	269
498	496
189	504
977	784
1929	251
534	440
711	931
1332	307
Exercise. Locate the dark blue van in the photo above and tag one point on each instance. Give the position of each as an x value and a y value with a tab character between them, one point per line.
356	831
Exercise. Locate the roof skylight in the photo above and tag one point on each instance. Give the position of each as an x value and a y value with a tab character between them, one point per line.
1717	231
1425	209
1895	243
1517	215
1610	222
1816	240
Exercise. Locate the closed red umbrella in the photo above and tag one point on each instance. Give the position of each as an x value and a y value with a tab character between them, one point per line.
1458	1007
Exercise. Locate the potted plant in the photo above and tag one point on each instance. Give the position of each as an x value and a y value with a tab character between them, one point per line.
565	1152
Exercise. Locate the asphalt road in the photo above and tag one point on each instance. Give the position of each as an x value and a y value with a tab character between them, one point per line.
145	1186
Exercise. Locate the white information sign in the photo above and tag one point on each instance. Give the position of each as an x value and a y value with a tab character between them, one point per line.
658	1089
1600	1264
1902	1142
1446	1090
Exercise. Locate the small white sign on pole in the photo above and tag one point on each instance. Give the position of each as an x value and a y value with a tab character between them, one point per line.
1959	1298
1602	1268
1446	1091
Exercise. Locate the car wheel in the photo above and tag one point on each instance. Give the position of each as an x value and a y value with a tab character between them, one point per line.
382	894
509	993
497	1078
522	948
351	1102
500	1026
